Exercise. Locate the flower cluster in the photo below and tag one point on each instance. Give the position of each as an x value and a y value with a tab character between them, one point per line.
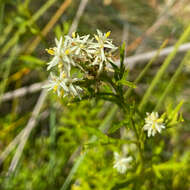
153	124
87	56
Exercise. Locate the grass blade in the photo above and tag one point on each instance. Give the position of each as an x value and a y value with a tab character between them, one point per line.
172	81
163	68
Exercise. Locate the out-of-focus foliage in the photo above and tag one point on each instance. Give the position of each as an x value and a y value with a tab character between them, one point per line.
64	131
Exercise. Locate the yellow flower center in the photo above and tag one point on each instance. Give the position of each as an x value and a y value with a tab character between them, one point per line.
67	51
158	121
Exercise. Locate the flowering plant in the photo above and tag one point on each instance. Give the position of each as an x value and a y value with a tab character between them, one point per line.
84	67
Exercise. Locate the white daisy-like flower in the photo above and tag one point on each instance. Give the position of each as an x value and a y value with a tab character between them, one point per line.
121	163
63	85
56	51
75	51
62	56
54	84
153	124
79	44
103	43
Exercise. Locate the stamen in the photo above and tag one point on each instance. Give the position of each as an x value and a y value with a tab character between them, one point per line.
108	34
67	51
50	51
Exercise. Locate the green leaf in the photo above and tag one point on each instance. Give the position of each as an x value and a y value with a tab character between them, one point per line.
95	131
174	116
34	30
58	31
115	67
175	166
118	126
114	128
32	60
122	57
126	83
66	26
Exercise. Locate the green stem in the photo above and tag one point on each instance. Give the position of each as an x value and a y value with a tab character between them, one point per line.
138	140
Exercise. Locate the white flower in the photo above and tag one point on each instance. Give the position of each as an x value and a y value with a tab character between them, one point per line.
121	163
153	124
56	51
62	56
54	84
63	85
103	43
79	44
